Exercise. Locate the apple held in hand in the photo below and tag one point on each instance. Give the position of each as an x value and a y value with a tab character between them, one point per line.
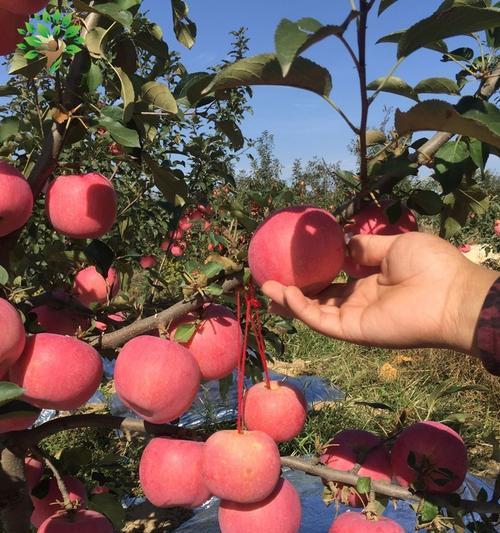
300	245
16	198
217	342
430	456
89	286
12	336
80	521
170	473
350	522
353	446
241	467
81	206
280	512
57	372
158	379
22	7
280	410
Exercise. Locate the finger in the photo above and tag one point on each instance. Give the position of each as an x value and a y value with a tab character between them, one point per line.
275	291
370	250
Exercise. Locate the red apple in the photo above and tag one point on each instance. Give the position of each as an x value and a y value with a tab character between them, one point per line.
91	287
217	341
176	235
33	471
12	337
165	244
464	248
241	467
184	224
57	372
16	416
354	446
82	207
178	249
63	321
114	318
16	198
156	378
100	489
300	245
9	39
280	410
170	473
438	453
350	522
373	221
22	7
81	521
497	228
147	261
280	512
45	507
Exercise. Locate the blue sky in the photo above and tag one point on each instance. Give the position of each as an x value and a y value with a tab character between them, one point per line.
302	123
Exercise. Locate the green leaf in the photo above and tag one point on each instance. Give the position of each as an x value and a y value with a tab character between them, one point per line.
184	332
460	54
232	131
93	78
458	205
393	85
70	460
4	276
363	485
452	162
43	30
471	117
95	41
428	511
479	153
147	40
9	126
33	41
111	10
213	289
425	202
109	505
212	269
374	137
122	135
293	38
184	28
72	49
32	54
171	186
395	37
265	69
437	85
384	4
127	93
159	95
451	18
9	391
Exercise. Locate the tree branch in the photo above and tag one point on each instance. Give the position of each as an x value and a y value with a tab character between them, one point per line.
144	325
361	66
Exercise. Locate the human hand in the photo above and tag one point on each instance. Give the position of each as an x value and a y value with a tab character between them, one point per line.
426	294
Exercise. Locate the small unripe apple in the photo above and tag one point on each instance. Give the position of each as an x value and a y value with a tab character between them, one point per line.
280	512
217	342
147	261
437	457
354	446
45	507
57	372
16	198
279	410
300	245
22	7
59	320
12	336
81	206
89	286
241	467
156	378
350	522
170	473
80	521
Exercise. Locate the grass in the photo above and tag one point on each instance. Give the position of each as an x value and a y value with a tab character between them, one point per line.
413	384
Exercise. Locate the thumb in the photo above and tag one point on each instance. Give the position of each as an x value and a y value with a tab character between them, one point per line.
369	250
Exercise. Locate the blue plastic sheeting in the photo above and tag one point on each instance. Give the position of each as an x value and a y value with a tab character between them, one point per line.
316	516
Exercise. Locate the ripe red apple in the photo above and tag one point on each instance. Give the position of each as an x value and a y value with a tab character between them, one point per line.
373	221
176	235
217	341
439	455
12	337
178	249
82	207
16	416
354	446
89	286
165	244
497	228
350	522
33	471
45	507
63	321
280	410
300	245
147	261
57	372
170	473
22	7
184	224
9	39
280	512
81	521
16	198
156	378
241	467
114	318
